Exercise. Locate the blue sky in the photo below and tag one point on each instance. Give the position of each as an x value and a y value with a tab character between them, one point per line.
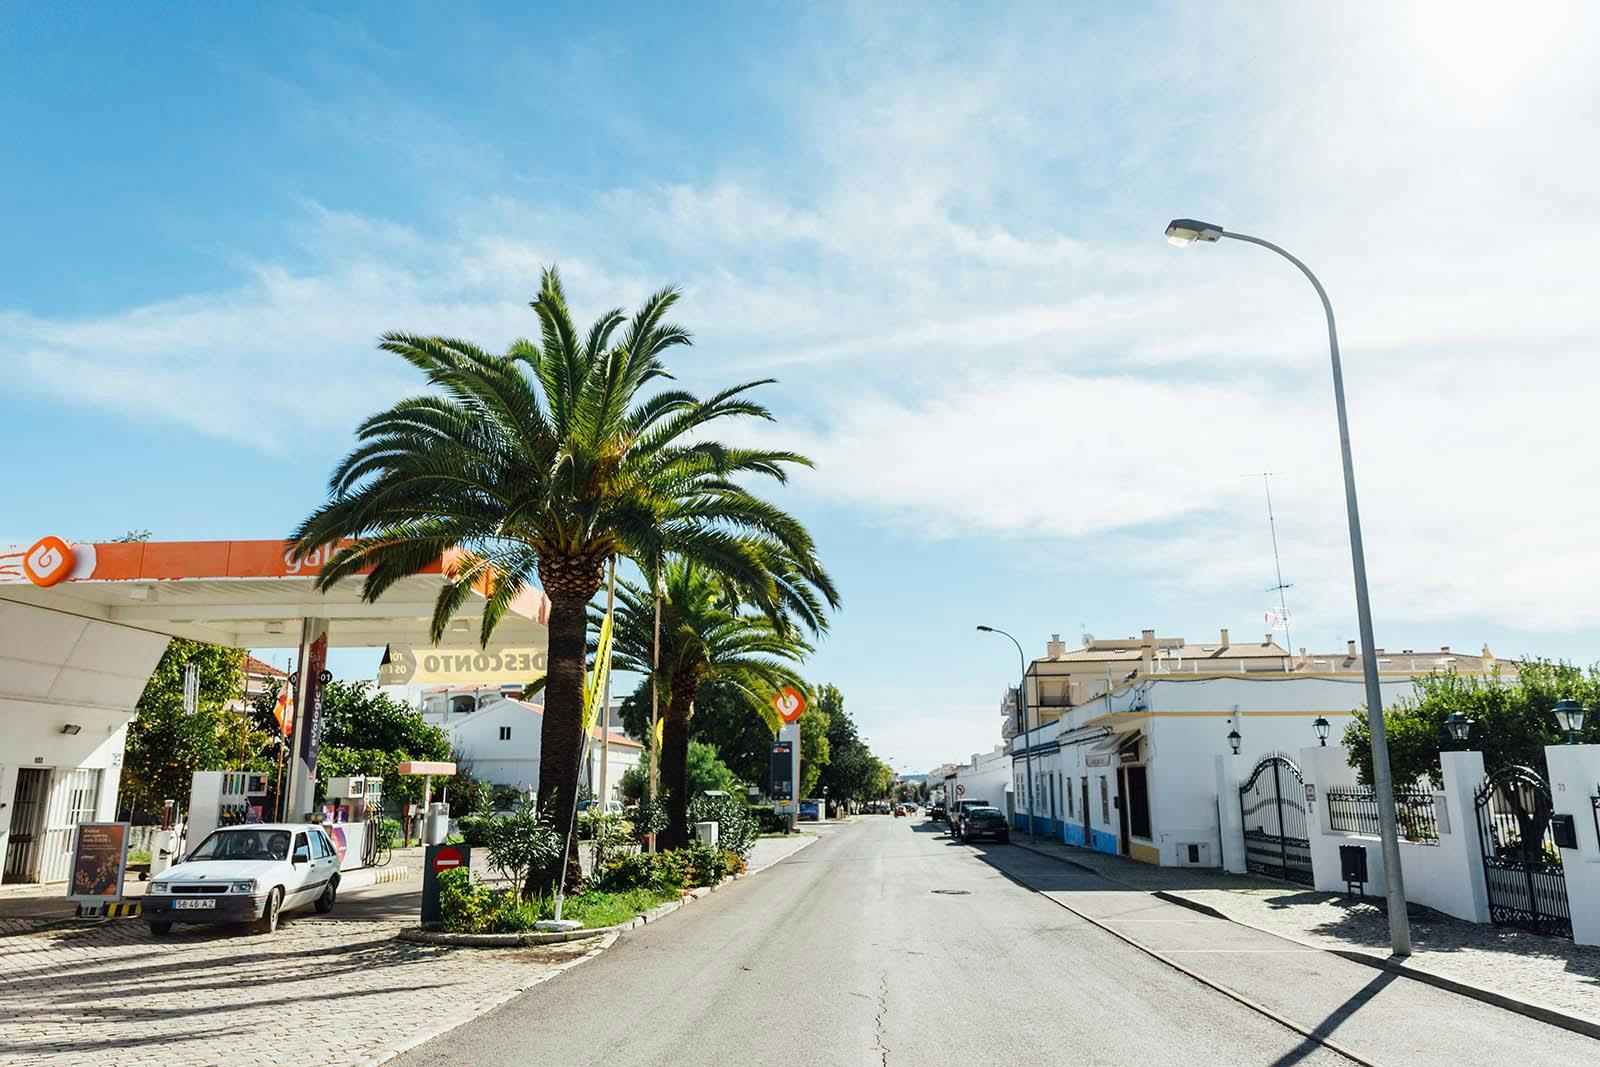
938	225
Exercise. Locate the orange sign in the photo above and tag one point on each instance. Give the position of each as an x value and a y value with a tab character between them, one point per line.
789	703
47	562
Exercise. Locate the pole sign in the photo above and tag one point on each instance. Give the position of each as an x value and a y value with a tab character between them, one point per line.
311	719
436	861
783	770
789	704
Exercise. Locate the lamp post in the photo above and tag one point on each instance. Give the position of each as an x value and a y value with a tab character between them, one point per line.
1022	710
1458	725
1570	714
1186	232
1321	725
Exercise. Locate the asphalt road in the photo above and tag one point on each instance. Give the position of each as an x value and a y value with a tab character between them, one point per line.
846	954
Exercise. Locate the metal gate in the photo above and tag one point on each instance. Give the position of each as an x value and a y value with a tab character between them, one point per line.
1273	803
27	815
1521	864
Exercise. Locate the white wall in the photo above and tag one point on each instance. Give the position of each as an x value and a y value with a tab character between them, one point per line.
989	779
513	762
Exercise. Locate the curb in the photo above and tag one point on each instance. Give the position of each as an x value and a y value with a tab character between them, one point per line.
1532	1009
417	935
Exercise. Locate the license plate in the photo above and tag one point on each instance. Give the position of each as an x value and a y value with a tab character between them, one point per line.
197	904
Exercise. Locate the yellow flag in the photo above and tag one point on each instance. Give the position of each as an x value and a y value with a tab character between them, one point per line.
594	686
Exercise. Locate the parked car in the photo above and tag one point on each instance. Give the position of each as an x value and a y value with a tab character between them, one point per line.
981	822
958	812
936	812
246	874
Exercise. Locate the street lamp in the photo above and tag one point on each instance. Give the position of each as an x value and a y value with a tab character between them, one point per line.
1458	725
1022	711
1570	714
1233	741
1184	232
1321	725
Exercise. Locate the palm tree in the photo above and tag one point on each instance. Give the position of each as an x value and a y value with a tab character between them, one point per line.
542	465
705	636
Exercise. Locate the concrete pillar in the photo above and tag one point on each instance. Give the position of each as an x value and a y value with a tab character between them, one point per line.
1325	769
1231	822
1574	779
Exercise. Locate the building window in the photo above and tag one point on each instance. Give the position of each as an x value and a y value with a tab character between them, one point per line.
1105	802
1068	791
83	795
505	733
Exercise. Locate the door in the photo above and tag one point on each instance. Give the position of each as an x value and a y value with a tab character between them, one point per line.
323	867
1522	866
1088	835
1122	810
301	862
27	819
1272	808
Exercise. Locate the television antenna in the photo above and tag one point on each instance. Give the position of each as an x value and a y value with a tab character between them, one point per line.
1282	586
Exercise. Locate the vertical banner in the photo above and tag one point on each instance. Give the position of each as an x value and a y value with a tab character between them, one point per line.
311	679
99	862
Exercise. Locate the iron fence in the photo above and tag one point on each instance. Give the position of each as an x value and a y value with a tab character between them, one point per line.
1355	811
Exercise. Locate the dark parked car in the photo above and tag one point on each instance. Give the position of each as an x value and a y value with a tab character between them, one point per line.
936	813
984	822
959	810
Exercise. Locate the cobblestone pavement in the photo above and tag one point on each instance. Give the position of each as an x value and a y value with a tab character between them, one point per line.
1545	970
316	992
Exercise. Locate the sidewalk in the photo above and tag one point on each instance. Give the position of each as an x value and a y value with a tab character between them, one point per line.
1503	962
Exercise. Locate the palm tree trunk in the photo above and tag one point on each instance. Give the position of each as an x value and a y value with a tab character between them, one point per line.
675	759
570	584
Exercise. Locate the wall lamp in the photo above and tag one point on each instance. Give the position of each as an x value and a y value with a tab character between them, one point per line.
72	729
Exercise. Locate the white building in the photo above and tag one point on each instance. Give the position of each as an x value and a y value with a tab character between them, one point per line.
502	741
1135	772
69	686
986	776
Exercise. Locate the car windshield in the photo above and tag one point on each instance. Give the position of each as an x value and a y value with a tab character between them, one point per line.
984	813
244	845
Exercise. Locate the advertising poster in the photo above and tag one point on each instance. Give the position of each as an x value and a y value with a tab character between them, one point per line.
311	739
99	862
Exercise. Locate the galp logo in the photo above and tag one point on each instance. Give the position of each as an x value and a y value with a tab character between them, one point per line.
47	562
788	703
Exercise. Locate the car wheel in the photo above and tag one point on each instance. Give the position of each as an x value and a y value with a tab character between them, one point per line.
325	901
268	923
160	929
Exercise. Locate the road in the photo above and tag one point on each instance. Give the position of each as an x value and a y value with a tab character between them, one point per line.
888	943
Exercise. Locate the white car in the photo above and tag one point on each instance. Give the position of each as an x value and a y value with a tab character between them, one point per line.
251	873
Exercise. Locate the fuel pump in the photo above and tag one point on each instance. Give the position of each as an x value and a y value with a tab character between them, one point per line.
164	847
224	798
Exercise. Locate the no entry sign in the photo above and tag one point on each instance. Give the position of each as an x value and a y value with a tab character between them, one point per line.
447	858
439	860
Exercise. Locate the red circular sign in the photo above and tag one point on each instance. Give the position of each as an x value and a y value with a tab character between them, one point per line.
446	859
961	790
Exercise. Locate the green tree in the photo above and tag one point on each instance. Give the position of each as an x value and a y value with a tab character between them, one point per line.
814	749
851	770
705	636
543	465
1513	719
707	771
166	744
366	731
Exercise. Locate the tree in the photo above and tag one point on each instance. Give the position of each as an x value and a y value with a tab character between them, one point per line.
544	465
366	731
851	771
166	745
1513	719
707	771
813	748
705	636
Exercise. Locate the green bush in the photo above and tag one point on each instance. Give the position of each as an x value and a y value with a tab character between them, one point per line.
708	866
736	828
767	819
521	841
649	817
464	907
388	832
474	829
661	871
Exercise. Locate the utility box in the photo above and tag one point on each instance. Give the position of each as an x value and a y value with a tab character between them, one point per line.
1564	831
1353	868
436	824
706	832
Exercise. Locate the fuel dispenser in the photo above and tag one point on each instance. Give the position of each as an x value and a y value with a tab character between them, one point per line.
164	847
224	798
352	809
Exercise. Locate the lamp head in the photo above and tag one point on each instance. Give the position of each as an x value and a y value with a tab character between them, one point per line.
986	629
1570	714
1458	725
1233	741
1187	231
1321	725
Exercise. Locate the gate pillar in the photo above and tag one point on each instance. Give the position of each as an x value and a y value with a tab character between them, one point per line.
1229	820
1574	786
1459	848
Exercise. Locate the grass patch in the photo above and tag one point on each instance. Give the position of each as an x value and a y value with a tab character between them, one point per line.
138	855
595	909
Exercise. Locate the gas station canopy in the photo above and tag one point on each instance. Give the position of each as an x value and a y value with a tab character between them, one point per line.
246	594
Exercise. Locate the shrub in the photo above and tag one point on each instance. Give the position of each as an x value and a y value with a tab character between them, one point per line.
662	871
464	907
388	832
736	828
708	866
649	817
474	829
521	841
767	819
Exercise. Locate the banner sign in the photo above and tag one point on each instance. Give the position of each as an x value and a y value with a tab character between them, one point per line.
99	862
403	665
311	683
